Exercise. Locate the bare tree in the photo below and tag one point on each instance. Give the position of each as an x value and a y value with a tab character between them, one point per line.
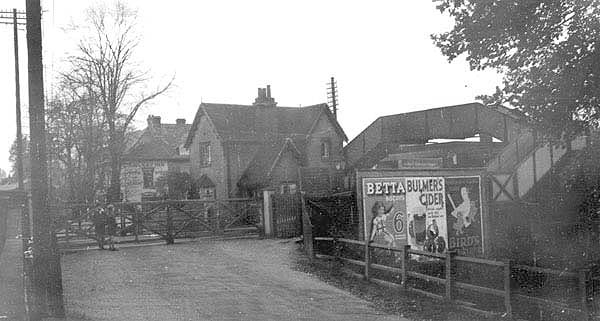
105	69
77	142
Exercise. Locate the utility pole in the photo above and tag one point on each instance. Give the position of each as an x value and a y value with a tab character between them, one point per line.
15	24
16	16
47	289
332	96
23	201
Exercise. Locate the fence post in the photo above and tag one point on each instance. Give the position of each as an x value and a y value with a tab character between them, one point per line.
405	260
136	221
583	275
449	258
307	230
268	213
170	237
218	217
136	224
507	291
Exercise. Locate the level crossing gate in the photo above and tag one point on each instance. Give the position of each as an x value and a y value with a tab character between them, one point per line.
167	220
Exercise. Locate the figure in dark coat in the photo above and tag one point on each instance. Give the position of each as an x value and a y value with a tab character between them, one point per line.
99	221
111	226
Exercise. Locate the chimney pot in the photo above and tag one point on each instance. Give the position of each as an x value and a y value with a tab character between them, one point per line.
264	98
180	121
153	121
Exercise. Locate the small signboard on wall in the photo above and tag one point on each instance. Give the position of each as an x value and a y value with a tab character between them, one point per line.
433	213
423	163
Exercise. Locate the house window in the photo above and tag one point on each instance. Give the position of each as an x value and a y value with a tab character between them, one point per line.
288	188
325	148
148	173
204	152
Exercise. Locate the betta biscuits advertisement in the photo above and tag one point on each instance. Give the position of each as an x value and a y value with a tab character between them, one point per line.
384	208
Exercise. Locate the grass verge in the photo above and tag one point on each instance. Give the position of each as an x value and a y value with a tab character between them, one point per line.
393	301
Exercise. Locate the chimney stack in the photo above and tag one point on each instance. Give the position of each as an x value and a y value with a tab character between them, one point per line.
180	121
153	121
264	98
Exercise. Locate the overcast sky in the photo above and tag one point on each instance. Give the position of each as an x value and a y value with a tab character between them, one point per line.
380	53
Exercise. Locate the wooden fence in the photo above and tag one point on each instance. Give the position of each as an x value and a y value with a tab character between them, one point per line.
167	220
408	268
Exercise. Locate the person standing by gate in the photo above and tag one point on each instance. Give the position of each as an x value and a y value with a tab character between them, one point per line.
99	221
111	226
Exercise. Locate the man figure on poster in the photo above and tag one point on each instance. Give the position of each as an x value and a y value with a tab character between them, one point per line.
463	213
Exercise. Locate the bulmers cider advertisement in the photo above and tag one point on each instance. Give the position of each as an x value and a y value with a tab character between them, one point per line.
425	204
432	214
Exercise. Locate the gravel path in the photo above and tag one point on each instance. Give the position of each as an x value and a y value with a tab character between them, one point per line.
244	279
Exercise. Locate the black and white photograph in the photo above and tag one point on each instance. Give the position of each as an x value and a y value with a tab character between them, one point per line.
419	160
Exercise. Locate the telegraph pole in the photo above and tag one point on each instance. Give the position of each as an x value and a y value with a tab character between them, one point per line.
332	96
17	18
18	104
25	222
47	289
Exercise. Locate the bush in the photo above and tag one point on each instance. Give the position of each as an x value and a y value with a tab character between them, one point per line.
174	185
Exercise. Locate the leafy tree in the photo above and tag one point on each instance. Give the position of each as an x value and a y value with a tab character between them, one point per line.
106	70
548	51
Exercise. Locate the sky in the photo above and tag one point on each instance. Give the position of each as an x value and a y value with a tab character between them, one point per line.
380	53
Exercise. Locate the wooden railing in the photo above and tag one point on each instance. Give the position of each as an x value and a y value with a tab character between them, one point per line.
513	153
408	257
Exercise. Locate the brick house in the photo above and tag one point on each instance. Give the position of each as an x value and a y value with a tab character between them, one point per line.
153	152
239	150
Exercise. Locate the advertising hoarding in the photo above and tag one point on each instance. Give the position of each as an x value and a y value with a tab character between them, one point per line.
432	214
384	209
463	213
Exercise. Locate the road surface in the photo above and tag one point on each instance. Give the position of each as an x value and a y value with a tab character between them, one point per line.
243	279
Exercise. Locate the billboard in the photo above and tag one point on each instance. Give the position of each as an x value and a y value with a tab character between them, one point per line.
425	204
384	208
463	212
433	214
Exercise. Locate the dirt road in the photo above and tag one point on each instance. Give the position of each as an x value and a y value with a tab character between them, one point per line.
245	279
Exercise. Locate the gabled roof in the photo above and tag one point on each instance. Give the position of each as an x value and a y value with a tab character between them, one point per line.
259	171
131	138
246	122
205	182
159	142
